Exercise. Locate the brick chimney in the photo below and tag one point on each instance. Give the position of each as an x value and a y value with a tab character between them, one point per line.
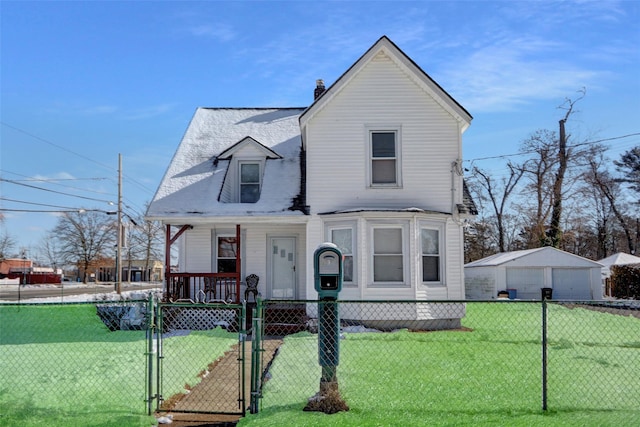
319	89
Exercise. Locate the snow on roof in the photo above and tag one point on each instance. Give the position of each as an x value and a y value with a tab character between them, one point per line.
382	209
501	258
619	259
547	256
193	181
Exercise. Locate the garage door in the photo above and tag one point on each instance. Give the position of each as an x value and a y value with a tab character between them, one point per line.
571	283
526	281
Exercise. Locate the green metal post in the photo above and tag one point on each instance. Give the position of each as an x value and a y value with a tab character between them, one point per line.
150	330
159	346
243	336
544	354
256	343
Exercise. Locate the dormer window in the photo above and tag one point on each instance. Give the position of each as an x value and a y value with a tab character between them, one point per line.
247	162
249	182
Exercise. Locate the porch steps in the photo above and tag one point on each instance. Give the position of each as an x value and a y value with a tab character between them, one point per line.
284	319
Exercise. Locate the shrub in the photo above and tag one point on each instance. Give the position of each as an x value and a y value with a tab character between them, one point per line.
625	281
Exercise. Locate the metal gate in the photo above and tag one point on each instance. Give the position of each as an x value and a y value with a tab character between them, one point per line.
200	358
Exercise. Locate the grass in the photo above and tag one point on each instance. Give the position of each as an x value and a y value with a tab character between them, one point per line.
484	377
60	366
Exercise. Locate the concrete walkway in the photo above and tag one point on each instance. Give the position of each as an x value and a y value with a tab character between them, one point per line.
219	390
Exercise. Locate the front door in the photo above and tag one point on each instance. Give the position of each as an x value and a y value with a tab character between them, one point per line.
283	267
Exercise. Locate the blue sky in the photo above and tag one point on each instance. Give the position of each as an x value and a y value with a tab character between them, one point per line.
82	82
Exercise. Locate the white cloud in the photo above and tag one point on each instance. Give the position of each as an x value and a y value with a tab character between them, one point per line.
98	110
217	31
512	72
148	112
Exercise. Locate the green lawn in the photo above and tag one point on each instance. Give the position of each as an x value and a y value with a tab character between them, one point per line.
60	366
488	376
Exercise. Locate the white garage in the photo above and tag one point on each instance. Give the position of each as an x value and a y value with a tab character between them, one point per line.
523	274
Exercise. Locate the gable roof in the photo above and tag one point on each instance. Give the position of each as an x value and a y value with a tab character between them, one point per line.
546	256
405	63
620	258
248	141
194	178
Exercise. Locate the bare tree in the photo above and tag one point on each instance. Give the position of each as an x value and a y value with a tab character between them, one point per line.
149	238
609	189
498	195
478	240
49	249
538	171
629	167
84	238
7	243
555	231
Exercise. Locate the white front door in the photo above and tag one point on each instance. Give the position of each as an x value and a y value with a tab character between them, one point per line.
283	267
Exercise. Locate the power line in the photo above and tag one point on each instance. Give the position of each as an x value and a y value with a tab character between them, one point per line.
502	156
53	180
50	181
46	141
34	210
37	204
53	191
53	144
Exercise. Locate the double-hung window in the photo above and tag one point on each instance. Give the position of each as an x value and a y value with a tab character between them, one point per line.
388	255
249	180
343	238
431	255
384	168
226	251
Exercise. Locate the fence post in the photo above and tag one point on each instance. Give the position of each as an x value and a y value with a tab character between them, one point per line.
544	354
243	339
256	343
159	327
150	348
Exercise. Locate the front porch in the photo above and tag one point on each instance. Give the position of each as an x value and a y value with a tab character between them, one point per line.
203	287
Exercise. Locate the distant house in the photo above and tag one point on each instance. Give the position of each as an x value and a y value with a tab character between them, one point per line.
524	273
620	258
15	265
373	165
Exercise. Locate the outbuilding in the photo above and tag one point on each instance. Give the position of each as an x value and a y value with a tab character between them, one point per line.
523	274
620	258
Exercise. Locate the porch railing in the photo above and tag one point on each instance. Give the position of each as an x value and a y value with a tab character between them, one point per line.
203	287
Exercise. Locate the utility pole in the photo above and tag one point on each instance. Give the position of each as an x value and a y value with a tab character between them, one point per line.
119	240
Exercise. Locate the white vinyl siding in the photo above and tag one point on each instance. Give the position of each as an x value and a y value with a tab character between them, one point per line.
381	98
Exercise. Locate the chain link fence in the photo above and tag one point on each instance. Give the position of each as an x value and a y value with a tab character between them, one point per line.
73	362
201	358
503	355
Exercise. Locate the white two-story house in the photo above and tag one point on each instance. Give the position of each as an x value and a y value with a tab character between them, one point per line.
373	165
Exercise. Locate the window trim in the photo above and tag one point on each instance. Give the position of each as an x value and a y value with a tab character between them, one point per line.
242	162
216	254
346	225
424	225
406	279
397	131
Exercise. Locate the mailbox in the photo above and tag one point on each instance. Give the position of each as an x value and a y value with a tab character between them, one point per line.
327	263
